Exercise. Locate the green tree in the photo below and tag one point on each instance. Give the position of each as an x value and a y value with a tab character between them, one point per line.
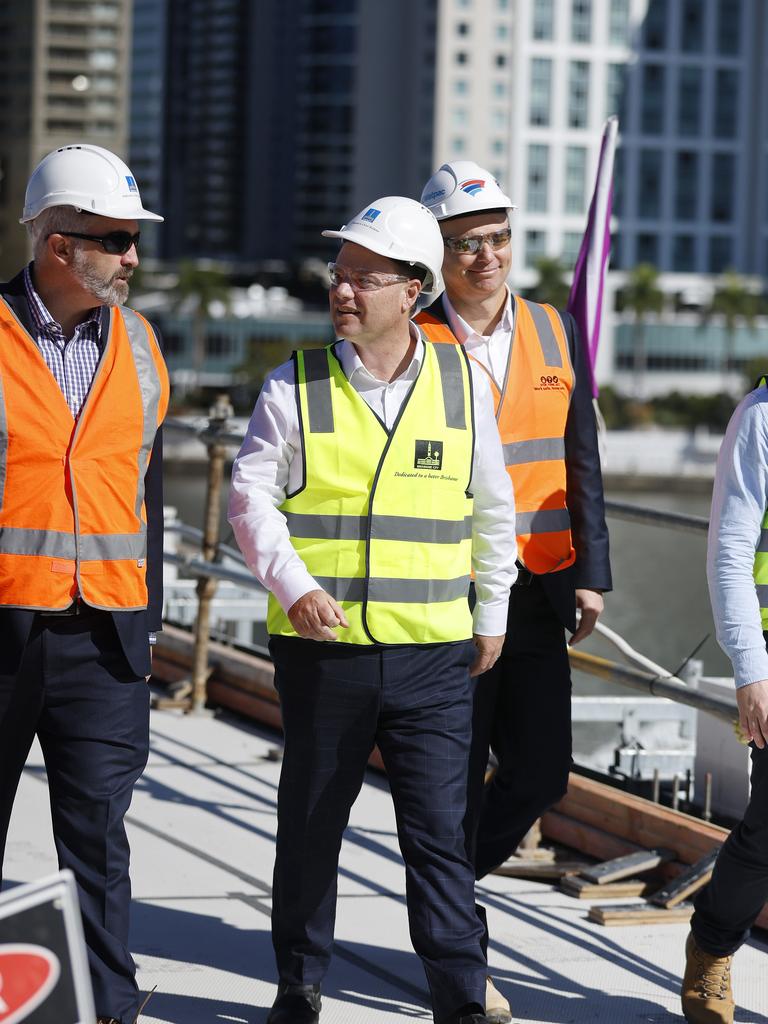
734	302
202	283
551	286
641	295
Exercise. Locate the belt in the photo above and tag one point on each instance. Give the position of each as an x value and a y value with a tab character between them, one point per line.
76	608
524	577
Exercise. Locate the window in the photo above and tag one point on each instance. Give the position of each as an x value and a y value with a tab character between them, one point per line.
581	21
618	180
689	101
459	118
615	81
578	94
461	87
541	91
462	28
499	120
543	19
652	104
723	184
499	89
720	253
457	145
686	185
648	249
655	25
649	200
502	31
728	25
461	57
726	102
535	247
575	178
571	246
684	253
498	147
618	25
691	26
500	60
538	178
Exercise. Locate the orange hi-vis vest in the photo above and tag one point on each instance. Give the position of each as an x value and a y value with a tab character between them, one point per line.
531	411
72	517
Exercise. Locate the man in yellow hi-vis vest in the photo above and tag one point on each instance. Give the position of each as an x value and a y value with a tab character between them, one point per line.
531	356
370	485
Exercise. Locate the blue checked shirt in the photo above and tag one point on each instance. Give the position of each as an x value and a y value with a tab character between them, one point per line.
72	361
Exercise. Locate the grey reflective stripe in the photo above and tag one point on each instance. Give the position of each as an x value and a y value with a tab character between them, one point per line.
449	360
763	543
540	449
762	594
547	520
425	531
301	524
317	375
3	443
149	385
550	350
395	591
421	531
57	544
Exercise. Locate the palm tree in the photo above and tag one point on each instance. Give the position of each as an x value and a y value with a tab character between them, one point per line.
641	294
201	285
551	286
734	302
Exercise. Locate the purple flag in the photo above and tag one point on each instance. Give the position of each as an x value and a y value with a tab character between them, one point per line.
585	301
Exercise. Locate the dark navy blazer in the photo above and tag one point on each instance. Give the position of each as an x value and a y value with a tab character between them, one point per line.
584	488
132	627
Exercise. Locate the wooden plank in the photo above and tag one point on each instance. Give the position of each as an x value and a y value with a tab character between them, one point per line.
583	837
626	866
687	883
640	913
517	867
582	889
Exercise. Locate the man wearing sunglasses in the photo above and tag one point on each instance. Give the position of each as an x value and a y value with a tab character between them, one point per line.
83	390
535	365
370	482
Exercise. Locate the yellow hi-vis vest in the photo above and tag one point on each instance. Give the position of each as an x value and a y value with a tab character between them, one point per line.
760	570
383	519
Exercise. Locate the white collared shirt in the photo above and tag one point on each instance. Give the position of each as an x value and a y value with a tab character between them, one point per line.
267	468
491	350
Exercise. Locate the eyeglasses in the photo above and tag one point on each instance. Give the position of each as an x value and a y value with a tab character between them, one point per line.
116	243
362	280
474	243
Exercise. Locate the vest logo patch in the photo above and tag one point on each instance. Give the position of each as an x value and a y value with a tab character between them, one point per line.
429	455
549	382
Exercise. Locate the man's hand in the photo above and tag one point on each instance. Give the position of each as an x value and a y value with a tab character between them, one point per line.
315	616
591	604
488	651
752	700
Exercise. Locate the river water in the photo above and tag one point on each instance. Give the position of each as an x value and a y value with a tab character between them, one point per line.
659	603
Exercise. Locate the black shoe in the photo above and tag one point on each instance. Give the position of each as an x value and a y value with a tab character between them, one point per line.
295	1004
475	1018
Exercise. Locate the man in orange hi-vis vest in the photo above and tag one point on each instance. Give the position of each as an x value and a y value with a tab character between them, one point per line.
83	391
541	389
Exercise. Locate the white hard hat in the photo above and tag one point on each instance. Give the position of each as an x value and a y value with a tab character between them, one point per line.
401	229
463	187
87	177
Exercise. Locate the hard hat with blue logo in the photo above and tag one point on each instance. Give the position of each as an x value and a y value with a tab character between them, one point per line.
461	188
87	177
403	230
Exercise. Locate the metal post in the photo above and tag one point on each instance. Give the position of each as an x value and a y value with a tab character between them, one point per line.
656	786
675	792
707	814
206	586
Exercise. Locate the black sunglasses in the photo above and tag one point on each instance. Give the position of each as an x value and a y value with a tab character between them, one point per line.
116	243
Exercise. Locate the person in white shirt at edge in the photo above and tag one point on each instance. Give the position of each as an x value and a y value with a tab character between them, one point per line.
737	572
371	480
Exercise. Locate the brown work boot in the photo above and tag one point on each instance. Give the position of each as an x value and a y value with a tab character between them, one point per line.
706	992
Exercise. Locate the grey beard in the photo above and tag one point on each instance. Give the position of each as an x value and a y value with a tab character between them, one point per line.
111	291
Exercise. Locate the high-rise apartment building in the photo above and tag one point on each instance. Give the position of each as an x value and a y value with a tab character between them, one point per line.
63	78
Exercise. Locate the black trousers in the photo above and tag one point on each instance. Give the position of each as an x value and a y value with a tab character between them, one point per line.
338	700
726	909
75	690
522	710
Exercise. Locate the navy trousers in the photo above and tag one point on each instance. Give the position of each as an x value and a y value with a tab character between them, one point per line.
727	907
75	689
338	700
522	710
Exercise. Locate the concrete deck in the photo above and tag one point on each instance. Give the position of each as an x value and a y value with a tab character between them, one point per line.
202	830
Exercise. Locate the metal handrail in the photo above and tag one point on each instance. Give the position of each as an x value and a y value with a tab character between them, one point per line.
196	534
199	568
654	517
206	432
